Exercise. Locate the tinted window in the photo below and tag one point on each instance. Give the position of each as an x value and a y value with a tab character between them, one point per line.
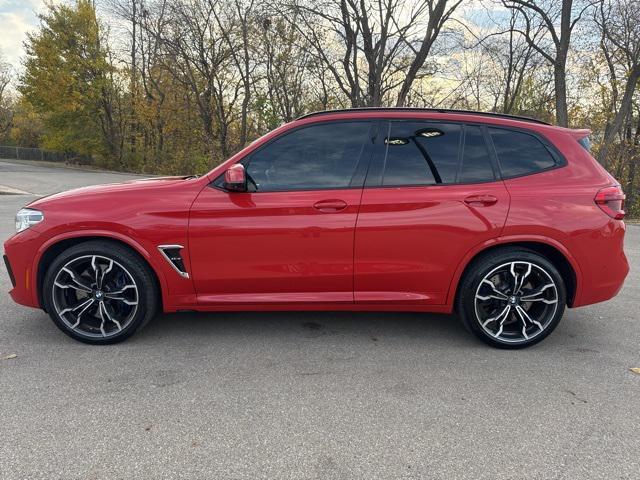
315	157
476	163
520	153
421	153
586	143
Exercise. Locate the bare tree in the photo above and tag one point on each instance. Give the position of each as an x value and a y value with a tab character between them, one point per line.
372	47
438	14
619	24
285	64
515	60
131	11
236	21
6	102
557	19
193	51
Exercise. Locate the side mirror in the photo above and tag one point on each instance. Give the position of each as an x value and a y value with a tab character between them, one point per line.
235	178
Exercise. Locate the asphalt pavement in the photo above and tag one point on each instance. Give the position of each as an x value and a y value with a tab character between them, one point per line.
313	395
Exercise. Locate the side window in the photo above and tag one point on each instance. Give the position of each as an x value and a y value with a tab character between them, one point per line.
520	153
476	162
421	153
316	157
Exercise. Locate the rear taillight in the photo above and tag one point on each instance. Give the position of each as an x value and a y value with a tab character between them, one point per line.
611	201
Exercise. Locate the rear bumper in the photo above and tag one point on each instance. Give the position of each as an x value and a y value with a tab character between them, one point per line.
603	263
19	255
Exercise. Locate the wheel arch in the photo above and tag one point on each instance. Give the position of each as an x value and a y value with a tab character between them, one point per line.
48	252
552	250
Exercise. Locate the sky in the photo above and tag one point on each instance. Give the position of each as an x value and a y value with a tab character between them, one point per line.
17	17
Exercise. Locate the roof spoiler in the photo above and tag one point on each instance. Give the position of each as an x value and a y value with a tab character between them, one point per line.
579	133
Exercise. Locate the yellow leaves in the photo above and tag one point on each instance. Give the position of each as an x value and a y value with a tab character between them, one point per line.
66	78
635	370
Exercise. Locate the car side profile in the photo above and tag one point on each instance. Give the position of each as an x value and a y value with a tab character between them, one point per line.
504	220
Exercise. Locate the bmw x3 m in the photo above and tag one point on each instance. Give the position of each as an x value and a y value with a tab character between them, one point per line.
504	220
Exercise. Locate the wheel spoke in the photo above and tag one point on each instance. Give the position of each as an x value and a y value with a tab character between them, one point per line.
104	273
524	316
75	325
543	300
505	311
96	270
78	284
497	294
124	300
119	292
89	301
103	311
519	279
99	272
536	295
516	301
118	295
98	282
503	316
104	334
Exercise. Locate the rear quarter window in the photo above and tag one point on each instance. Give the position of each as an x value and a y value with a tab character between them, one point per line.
585	143
520	153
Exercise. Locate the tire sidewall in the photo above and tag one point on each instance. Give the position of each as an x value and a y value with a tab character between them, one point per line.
134	266
484	265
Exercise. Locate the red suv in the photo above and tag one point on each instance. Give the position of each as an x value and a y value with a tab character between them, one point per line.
505	220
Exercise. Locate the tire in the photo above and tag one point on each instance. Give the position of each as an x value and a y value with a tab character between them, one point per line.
100	292
499	313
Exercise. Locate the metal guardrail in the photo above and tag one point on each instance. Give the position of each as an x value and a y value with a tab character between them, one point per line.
24	153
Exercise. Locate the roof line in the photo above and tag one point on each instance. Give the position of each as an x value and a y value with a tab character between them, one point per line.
415	109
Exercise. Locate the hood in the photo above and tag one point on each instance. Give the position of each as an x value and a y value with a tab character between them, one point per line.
141	184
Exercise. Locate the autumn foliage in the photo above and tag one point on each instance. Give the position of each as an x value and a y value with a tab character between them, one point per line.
177	86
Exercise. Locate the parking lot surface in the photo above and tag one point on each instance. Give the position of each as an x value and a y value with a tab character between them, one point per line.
314	395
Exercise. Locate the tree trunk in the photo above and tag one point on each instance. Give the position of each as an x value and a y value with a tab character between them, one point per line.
560	83
631	178
623	111
433	29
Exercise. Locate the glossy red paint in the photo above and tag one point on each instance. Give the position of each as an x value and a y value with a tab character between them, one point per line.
415	236
235	178
389	248
273	247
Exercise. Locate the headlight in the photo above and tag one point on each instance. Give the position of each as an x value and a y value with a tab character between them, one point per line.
27	217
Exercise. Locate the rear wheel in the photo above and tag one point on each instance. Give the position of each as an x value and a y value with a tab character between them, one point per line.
512	298
99	292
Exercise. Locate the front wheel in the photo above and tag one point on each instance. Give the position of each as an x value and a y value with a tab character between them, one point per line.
512	298
99	292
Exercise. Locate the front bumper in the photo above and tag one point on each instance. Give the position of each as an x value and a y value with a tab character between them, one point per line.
19	253
9	270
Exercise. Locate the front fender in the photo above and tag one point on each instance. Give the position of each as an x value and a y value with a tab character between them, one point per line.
151	257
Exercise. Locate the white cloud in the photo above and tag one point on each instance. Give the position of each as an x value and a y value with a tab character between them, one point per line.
17	17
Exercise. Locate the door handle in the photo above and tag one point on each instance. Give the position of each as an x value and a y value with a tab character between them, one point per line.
481	200
328	206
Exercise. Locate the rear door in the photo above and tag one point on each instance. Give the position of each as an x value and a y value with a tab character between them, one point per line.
433	192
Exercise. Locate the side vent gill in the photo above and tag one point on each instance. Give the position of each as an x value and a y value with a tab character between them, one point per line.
174	256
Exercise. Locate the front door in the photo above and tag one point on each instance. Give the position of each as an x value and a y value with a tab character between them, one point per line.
290	237
432	194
